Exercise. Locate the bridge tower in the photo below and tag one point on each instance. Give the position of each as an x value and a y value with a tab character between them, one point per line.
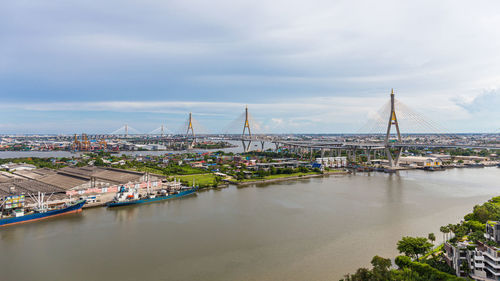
247	124
393	121
126	130
190	128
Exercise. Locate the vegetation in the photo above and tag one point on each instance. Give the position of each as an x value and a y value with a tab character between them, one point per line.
420	262
201	180
50	163
473	226
414	246
168	170
408	270
213	145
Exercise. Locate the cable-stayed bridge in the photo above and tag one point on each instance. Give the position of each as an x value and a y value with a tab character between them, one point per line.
391	143
390	130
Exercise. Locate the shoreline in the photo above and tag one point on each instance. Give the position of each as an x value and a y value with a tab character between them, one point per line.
345	172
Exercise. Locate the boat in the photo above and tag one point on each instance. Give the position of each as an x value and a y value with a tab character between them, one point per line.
18	215
130	196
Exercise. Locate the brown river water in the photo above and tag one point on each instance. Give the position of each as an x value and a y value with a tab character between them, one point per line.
310	229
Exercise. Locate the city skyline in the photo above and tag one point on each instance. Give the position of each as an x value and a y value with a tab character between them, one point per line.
315	67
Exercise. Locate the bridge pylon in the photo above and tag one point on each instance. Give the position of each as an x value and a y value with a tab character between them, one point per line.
190	129
393	121
246	127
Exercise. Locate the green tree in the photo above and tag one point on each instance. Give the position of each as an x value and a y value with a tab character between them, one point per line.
362	274
431	237
414	246
381	268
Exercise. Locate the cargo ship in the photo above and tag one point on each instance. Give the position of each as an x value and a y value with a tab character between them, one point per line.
17	214
130	196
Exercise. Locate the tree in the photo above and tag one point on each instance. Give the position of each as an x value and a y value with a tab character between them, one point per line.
476	236
443	230
381	268
431	237
362	274
414	246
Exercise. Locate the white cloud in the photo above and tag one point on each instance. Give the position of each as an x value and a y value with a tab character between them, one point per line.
314	65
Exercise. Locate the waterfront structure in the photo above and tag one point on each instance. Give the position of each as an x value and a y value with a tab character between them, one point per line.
471	159
78	181
420	161
458	257
21	186
443	157
332	162
285	164
479	261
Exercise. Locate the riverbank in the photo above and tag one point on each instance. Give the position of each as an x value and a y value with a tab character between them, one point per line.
472	238
291	230
294	177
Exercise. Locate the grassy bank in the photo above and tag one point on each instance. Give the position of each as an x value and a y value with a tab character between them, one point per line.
202	180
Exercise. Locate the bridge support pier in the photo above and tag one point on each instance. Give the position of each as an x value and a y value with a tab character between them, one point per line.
393	162
262	145
246	147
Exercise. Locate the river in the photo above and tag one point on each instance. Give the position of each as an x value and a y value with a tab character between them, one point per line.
310	229
238	148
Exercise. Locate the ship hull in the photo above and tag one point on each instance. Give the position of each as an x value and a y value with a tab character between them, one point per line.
151	200
75	208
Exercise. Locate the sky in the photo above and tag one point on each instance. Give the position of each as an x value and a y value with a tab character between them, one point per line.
300	66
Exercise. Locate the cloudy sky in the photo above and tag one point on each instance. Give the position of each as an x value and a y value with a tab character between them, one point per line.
300	66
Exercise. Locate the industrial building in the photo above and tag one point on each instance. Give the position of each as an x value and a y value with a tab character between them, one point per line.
420	161
74	181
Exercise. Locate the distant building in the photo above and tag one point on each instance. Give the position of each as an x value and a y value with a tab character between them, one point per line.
420	161
443	157
286	164
11	167
332	162
470	158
